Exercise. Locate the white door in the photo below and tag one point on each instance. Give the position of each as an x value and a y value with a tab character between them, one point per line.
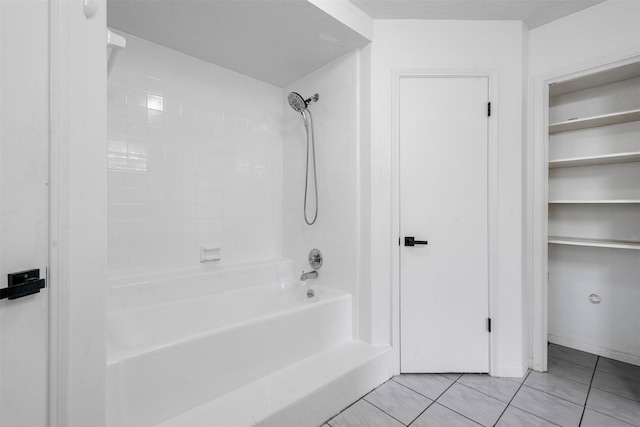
444	300
24	165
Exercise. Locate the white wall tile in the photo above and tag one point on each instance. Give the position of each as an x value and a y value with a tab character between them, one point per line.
335	122
194	158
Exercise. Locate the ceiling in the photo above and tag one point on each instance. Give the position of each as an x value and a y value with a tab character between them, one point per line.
275	41
533	12
280	41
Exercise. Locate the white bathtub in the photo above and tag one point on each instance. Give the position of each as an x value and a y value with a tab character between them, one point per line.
166	359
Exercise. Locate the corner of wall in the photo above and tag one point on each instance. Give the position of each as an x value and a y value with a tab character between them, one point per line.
348	14
527	201
364	186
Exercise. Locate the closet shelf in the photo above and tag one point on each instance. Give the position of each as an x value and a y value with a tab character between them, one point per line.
596	121
596	243
589	81
603	201
605	159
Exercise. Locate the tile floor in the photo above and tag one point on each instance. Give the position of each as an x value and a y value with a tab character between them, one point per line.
580	389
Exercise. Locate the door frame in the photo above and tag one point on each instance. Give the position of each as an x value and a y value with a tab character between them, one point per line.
492	202
77	212
537	195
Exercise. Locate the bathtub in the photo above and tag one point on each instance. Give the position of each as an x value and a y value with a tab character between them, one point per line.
170	357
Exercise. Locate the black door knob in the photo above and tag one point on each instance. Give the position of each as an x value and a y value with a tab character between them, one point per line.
411	241
23	283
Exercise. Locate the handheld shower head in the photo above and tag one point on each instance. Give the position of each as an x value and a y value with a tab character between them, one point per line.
298	103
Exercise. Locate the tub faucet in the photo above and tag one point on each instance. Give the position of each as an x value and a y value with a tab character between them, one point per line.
309	275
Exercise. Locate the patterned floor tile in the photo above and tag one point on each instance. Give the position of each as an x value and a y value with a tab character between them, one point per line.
398	401
514	417
439	416
573	356
501	388
617	407
570	371
363	414
620	369
451	376
548	407
472	404
596	419
609	389
428	385
625	387
560	387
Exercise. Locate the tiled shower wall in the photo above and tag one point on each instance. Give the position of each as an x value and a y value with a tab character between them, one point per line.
194	158
335	118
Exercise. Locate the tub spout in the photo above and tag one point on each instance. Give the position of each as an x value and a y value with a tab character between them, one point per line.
309	275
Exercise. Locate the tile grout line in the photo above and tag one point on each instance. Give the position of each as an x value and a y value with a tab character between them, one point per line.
572	361
544	392
614	392
362	398
512	397
429	406
432	400
558	397
548	394
446	407
566	377
415	391
610	392
493	397
626	377
385	412
535	415
584	408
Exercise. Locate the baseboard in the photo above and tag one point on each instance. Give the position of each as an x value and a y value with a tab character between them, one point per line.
511	371
633	359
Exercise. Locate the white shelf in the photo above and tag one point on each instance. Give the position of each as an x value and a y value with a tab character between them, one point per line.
596	121
605	159
585	202
596	243
598	79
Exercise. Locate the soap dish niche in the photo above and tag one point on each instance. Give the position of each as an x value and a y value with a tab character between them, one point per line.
209	253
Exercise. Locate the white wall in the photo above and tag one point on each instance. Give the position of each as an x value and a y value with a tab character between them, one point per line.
450	46
336	126
588	39
601	31
195	158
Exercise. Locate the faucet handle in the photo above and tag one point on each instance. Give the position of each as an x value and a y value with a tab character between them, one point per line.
315	259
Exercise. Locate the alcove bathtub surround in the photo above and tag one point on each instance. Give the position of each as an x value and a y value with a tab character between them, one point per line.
197	156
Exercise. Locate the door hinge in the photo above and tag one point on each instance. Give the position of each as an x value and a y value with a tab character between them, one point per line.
488	109
489	324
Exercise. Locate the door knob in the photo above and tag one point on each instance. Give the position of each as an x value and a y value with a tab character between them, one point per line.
23	283
411	241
